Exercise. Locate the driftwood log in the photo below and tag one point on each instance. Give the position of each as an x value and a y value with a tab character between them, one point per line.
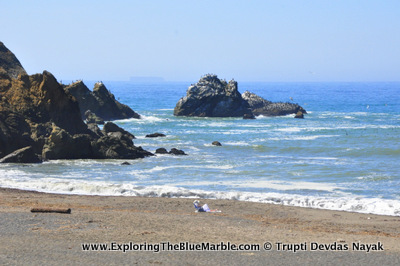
48	210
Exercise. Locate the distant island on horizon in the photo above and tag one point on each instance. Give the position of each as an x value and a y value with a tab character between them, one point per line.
146	79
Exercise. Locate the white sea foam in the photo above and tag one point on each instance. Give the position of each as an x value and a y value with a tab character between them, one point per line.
143	119
305	157
303	137
290	129
345	203
286	185
237	143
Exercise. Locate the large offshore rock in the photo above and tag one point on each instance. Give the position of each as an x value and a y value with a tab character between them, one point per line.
212	97
260	106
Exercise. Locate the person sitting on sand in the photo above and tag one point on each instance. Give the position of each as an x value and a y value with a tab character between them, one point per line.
202	208
199	207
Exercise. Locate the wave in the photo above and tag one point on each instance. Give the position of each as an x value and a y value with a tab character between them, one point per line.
237	143
345	203
143	119
303	137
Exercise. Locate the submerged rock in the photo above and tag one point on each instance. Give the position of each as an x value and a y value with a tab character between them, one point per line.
216	143
212	97
260	106
249	116
299	114
161	151
175	151
155	135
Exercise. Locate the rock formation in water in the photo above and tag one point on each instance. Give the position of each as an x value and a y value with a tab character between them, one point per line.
100	102
216	143
155	135
36	112
260	106
212	97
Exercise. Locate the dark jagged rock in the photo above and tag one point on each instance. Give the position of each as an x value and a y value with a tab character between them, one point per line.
14	131
40	98
100	102
110	127
299	115
63	145
155	135
260	106
249	116
36	111
212	97
255	101
10	63
161	151
28	108
93	118
24	155
216	143
117	148
125	163
175	151
94	128
117	143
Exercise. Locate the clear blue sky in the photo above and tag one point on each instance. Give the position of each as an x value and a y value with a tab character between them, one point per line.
265	40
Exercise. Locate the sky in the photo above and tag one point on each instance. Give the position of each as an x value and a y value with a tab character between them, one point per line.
181	40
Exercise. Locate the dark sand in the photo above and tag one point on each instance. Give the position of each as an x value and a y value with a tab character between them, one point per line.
56	239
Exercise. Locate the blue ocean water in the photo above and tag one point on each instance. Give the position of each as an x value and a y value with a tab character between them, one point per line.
344	155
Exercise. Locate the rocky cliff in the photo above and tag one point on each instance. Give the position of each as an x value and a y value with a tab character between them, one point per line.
100	102
36	112
212	97
9	62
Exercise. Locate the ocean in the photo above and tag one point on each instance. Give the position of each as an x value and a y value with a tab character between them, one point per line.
344	155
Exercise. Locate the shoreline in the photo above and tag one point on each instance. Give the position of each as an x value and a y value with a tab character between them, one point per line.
43	237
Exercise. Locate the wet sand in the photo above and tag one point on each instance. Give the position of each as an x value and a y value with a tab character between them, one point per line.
52	238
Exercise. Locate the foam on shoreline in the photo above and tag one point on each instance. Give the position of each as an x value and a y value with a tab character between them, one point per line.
348	203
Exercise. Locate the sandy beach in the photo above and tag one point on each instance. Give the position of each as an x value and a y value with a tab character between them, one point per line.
283	235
